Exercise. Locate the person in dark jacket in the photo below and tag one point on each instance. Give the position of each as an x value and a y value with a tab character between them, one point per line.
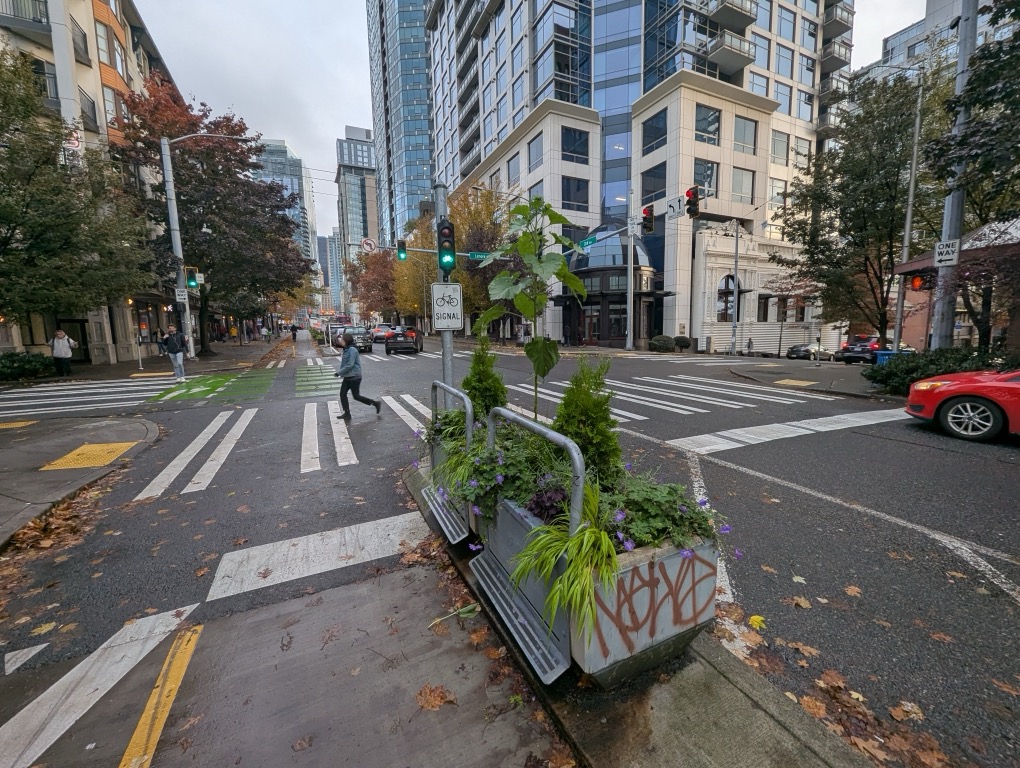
350	370
176	346
293	332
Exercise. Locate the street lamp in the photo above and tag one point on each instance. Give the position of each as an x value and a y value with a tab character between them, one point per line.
175	227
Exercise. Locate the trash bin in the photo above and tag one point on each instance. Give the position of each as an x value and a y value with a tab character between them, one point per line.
882	355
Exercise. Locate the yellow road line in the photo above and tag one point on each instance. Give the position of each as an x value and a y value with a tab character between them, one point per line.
142	747
14	424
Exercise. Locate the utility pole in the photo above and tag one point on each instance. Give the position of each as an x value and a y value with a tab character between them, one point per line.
442	211
629	260
944	317
175	240
908	224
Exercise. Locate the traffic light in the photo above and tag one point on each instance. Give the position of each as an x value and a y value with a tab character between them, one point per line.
401	250
648	219
693	209
446	247
924	281
191	277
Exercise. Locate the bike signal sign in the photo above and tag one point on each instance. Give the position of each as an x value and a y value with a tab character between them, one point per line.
447	307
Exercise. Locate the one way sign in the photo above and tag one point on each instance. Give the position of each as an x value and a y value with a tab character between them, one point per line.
947	253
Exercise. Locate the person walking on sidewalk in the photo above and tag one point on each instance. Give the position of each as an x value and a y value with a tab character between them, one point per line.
176	344
61	345
350	370
293	332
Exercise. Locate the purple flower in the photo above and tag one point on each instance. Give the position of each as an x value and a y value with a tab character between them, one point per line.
725	528
475	547
419	433
628	545
477	462
686	554
473	483
702	502
738	554
683	509
628	466
475	510
619	535
416	463
619	515
499	460
477	425
499	479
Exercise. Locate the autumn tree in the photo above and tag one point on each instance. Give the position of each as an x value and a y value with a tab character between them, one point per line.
234	228
413	278
373	282
70	240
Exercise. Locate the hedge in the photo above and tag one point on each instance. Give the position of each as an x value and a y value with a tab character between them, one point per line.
900	371
15	366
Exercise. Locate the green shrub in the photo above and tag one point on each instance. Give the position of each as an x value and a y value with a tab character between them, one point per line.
15	366
900	371
483	385
682	342
661	344
584	416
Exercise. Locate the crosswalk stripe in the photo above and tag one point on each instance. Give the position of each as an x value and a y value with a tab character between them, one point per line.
162	481
529	414
345	455
756	387
627	397
318	361
42	398
310	441
308	361
205	475
426	412
87	386
733	404
376	358
429	354
556	397
271	364
405	416
67	409
733	393
282	363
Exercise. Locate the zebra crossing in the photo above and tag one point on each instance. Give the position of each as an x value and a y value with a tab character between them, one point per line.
701	361
77	396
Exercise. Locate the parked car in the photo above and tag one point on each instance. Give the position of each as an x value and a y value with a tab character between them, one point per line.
812	351
862	349
976	405
404	339
380	331
362	337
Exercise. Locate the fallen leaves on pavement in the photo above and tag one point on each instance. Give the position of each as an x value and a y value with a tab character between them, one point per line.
812	706
433	697
906	710
852	590
757	622
1012	690
202	571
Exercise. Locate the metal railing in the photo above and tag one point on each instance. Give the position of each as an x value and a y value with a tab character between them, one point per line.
88	106
79	38
30	10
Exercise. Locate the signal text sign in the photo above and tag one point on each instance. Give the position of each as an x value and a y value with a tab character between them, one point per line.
447	307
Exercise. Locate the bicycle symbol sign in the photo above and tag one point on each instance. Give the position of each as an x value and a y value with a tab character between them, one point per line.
447	313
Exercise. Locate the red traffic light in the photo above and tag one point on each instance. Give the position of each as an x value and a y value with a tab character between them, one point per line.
648	219
693	209
692	193
446	231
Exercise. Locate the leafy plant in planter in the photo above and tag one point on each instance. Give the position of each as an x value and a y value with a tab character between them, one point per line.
483	385
584	417
529	288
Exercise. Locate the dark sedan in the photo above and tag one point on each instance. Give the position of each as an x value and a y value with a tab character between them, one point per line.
362	337
812	351
403	339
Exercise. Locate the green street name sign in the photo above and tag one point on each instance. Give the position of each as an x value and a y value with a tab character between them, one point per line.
478	255
587	243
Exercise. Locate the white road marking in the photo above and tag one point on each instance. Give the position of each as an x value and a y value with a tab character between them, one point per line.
556	397
205	475
282	363
755	387
377	358
426	412
61	409
162	481
720	390
33	730
529	414
269	564
341	439
271	364
308	361
318	361
310	441
429	354
738	438
14	659
405	416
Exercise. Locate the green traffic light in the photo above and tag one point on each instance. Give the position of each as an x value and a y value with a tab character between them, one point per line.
192	278
401	250
446	248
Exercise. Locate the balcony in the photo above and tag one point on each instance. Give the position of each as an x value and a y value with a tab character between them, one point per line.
89	114
835	55
469	133
735	15
29	18
81	44
730	52
469	160
838	20
828	124
832	86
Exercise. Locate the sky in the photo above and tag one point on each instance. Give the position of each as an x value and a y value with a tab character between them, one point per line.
298	70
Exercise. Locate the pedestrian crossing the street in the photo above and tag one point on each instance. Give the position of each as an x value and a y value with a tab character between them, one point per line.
81	396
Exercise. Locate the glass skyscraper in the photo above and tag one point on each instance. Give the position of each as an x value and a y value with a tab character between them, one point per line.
356	204
282	165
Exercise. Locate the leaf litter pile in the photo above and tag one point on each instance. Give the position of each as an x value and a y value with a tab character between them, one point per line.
462	608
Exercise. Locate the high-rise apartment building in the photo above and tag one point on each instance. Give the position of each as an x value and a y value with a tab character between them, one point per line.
87	55
605	108
357	199
339	291
282	165
401	111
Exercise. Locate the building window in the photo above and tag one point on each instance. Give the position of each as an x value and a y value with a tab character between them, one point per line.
706	176
501	47
761	50
764	19
653	184
780	147
809	34
617	321
538	190
706	124
617	282
800	312
783	94
113	103
517	62
486	69
501	111
574	144
802	151
487	126
519	115
535	152
591	284
575	194
103	36
786	21
724	300
777	194
114	6
745	135
757	83
515	24
811	6
805	105
513	170
487	98
743	186
119	62
501	79
518	91
615	146
784	61
763	308
494	182
806	71
653	132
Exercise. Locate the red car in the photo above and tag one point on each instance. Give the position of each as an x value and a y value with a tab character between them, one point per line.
972	406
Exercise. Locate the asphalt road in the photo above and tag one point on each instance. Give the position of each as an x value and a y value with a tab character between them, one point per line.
903	543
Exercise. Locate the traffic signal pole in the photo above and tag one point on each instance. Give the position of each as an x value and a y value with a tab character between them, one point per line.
901	294
446	337
175	238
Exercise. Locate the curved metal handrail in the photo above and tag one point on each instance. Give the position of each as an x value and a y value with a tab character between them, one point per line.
469	409
576	459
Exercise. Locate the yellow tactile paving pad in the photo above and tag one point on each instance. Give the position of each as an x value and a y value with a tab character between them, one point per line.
90	455
794	382
150	375
15	424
